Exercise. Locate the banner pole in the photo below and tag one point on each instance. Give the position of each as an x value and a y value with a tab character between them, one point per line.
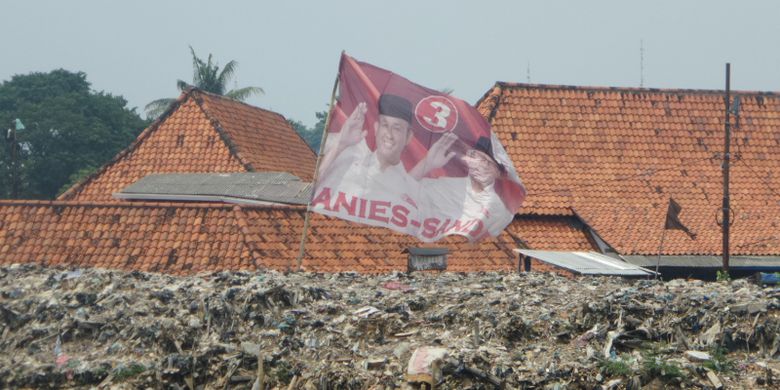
306	220
660	249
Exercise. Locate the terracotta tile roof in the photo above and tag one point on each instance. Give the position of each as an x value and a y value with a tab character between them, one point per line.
335	245
184	238
616	155
553	233
263	140
203	132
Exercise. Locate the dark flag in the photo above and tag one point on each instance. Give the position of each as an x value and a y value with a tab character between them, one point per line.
673	219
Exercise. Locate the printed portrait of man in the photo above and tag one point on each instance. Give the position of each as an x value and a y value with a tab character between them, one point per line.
412	159
350	169
470	203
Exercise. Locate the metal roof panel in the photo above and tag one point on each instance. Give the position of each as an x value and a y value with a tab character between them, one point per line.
272	187
587	263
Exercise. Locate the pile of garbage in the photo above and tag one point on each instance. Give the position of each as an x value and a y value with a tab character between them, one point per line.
113	329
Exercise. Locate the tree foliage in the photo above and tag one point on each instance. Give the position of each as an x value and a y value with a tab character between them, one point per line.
312	135
206	76
70	131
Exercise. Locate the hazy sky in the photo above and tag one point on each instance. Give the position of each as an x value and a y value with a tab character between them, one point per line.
291	48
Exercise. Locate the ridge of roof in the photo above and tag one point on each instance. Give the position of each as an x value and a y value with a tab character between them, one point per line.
215	96
495	104
195	205
70	192
237	134
495	91
590	227
225	98
518	85
104	204
215	123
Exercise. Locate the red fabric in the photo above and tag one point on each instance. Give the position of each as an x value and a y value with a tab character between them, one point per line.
434	115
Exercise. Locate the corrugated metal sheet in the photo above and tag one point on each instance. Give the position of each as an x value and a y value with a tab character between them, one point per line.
587	263
704	261
264	187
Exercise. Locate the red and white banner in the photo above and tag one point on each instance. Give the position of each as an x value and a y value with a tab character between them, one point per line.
413	159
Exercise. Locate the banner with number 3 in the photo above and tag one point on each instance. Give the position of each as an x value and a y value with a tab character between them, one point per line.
412	159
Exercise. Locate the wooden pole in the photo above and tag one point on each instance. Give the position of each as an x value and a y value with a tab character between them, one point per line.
726	161
660	249
260	370
306	219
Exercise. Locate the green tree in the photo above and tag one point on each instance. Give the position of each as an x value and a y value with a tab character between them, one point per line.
206	76
70	130
313	135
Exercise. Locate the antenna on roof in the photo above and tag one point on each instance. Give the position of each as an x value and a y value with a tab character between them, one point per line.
641	63
528	72
735	106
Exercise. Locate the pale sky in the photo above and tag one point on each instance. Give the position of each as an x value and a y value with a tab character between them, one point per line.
291	49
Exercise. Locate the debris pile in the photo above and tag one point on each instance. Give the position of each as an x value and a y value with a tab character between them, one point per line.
92	328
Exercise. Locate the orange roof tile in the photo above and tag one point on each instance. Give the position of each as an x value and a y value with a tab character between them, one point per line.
189	238
263	139
553	233
203	132
616	155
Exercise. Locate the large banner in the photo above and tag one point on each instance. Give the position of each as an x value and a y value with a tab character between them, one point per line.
413	159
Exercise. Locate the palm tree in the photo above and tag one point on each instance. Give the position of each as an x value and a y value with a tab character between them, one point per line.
205	76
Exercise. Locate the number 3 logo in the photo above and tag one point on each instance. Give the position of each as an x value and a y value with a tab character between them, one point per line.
437	114
440	117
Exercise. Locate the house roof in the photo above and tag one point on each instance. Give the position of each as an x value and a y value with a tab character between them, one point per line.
246	187
587	263
186	238
203	132
615	156
551	232
208	134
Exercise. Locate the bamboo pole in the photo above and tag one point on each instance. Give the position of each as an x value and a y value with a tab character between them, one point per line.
260	370
726	161
306	220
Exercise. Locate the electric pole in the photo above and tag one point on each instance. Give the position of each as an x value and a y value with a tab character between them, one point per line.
726	161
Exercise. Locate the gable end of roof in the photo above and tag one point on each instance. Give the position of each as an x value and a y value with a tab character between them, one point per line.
73	190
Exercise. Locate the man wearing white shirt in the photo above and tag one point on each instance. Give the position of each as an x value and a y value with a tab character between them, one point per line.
470	205
365	186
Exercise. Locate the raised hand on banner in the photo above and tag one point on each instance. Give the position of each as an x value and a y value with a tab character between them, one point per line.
438	155
352	131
